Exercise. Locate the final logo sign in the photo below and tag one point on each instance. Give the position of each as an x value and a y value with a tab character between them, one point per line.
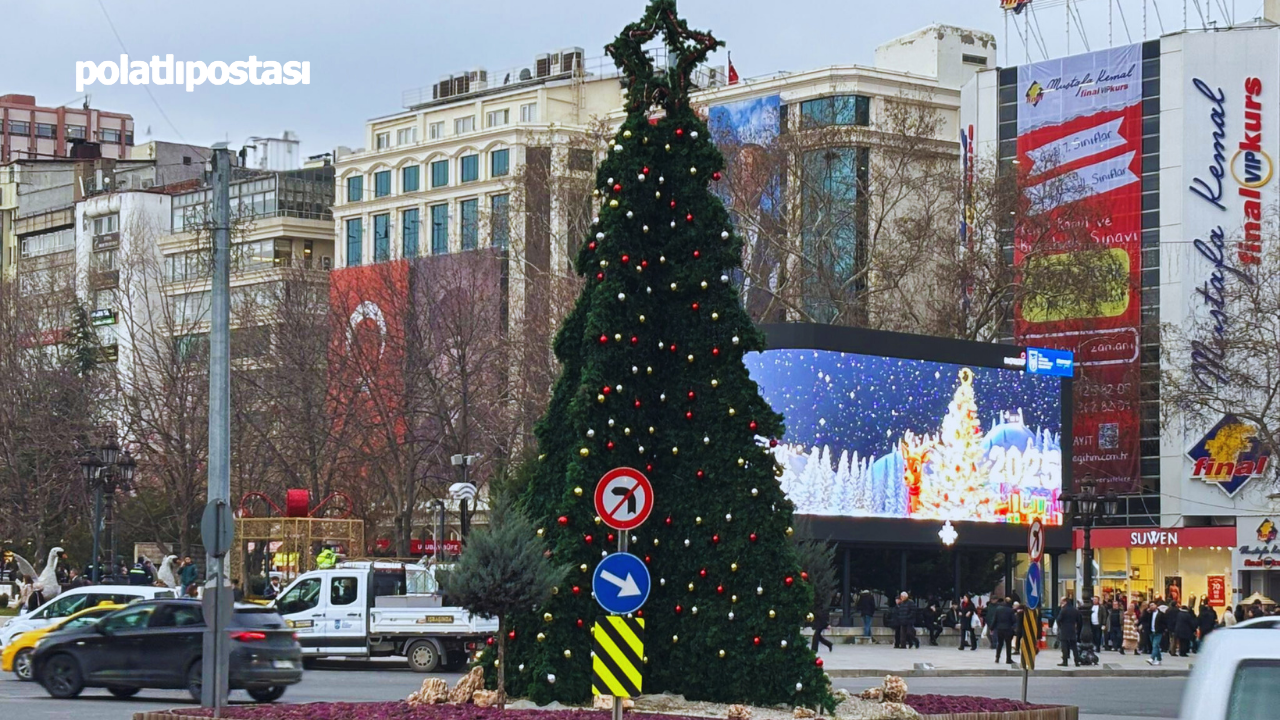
1229	455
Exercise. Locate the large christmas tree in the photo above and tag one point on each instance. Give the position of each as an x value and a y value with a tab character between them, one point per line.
653	378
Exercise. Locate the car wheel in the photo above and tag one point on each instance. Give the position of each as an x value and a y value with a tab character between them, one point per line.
22	665
122	692
423	656
195	679
61	676
266	694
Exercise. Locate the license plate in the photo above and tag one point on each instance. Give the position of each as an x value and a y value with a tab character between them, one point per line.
282	664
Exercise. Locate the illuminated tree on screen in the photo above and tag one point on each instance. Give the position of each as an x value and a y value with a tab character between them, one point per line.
653	378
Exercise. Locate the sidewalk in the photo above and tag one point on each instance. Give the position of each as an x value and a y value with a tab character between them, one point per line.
848	660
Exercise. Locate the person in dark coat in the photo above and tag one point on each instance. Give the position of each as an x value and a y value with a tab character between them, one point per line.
866	607
1171	635
1144	630
967	613
821	621
1208	620
1002	620
1185	629
1069	620
1159	628
934	619
904	619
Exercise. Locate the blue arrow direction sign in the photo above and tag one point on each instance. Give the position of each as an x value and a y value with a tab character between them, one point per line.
621	583
1033	587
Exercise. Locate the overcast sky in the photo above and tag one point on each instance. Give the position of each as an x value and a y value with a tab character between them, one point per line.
363	55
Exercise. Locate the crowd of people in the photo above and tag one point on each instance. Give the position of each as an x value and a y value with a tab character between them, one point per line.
31	592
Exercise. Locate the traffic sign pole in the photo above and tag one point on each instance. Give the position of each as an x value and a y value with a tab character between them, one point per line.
617	701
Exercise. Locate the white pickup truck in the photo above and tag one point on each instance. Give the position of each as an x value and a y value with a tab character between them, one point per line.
380	609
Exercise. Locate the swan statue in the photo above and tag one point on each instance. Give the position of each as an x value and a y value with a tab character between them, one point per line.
165	573
49	576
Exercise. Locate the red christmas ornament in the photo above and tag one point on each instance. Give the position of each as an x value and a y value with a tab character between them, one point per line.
673	347
715	539
591	245
688	218
804	575
695	307
644	263
639	613
688	415
789	581
637	402
818	662
646	559
679	132
609	444
645	171
679	609
697	254
604	339
691	395
626	259
648	467
673	204
611	537
702	572
716	175
720	589
752	537
755	640
715	351
634	340
587	539
752	425
668	520
511	635
577	590
488	640
563	520
617	188
579	622
701	474
773	442
606	389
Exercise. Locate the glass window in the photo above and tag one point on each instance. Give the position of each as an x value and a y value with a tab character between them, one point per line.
500	220
177	615
109	135
67	605
355	188
499	163
343	591
1255	693
355	242
469	168
435	130
836	110
134	618
45	130
382	140
409	233
381	238
407	136
106	224
303	596
498	118
382	183
439	173
470	212
439	229
19	128
464	125
76	132
581	160
529	113
409	179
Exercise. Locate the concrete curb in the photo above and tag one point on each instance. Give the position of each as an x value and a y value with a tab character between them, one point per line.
1000	672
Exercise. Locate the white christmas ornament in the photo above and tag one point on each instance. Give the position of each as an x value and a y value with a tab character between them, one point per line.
551	678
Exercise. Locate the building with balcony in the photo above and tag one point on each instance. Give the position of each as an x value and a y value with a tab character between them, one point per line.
29	131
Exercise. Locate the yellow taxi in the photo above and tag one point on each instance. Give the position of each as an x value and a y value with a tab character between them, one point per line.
16	656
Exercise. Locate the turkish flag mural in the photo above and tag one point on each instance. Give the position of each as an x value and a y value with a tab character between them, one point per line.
367	352
1079	154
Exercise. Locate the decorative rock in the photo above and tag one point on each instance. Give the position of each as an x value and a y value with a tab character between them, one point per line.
895	689
739	712
434	690
467	686
803	712
605	702
486	698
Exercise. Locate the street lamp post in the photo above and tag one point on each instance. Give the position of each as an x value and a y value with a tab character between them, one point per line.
1086	507
463	492
106	470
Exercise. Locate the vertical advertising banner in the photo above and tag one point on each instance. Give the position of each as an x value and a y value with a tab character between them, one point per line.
1217	594
1079	163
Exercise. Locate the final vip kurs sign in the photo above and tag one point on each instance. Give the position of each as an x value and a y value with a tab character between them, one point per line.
1258	548
1229	455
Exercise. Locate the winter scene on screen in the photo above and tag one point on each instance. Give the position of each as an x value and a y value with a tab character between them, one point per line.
890	437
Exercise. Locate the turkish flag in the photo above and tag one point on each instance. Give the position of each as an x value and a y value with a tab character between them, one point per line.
733	72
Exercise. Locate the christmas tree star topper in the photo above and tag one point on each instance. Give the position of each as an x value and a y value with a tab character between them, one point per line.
690	48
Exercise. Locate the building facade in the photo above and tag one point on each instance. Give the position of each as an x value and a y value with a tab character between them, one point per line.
30	131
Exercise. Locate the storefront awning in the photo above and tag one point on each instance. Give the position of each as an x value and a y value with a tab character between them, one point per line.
1186	537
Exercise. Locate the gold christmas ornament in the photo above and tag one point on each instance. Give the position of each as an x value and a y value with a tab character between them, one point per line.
540	531
697	520
675	638
541	637
568	653
693	171
733	567
808	618
732	412
754	492
555	589
721	653
626	134
741	462
675	451
704	285
598	520
790	530
582	567
613	203
772	614
599	398
715	316
690	587
641	319
546	617
715	382
577	491
584	452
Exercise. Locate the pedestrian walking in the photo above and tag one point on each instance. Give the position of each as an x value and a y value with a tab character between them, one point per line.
904	618
821	621
189	574
1144	629
1158	627
1068	624
1131	634
1095	623
1185	630
1002	619
1115	626
969	622
866	607
1231	617
1208	621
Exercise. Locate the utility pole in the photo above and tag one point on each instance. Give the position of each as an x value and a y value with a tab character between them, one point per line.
217	517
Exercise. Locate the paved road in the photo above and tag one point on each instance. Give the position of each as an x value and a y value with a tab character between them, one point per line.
1099	698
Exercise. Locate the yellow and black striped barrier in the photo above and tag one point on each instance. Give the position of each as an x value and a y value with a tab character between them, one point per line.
1029	645
617	657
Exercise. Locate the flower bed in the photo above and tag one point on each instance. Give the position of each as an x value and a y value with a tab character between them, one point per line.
968	707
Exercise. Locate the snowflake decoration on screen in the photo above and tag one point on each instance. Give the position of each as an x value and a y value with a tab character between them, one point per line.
948	534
